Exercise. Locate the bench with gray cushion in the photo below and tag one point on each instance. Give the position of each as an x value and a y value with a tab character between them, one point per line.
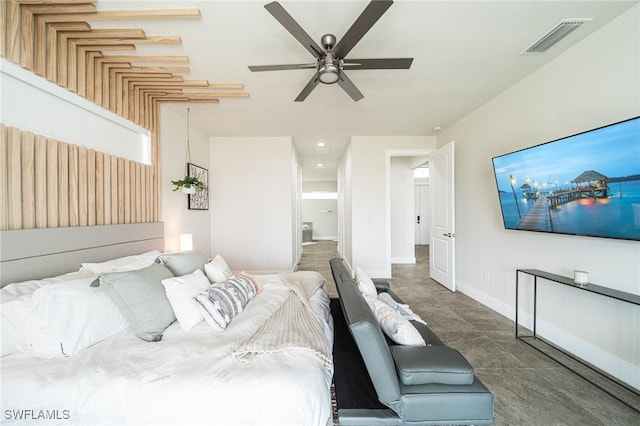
421	385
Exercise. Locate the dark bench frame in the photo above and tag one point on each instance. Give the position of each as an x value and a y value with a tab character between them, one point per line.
417	384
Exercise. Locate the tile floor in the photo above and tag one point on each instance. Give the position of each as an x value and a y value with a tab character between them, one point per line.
529	388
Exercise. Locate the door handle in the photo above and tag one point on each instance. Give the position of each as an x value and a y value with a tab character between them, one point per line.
448	234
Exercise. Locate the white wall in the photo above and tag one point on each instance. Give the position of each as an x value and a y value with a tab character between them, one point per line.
594	83
345	239
174	212
369	160
252	198
323	215
402	210
296	206
321	212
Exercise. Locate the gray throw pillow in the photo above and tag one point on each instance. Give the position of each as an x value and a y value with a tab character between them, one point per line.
183	263
141	297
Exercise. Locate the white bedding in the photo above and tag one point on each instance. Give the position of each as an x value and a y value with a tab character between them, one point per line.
186	378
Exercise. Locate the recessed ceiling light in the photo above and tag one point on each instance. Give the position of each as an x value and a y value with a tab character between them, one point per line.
320	144
319	166
437	128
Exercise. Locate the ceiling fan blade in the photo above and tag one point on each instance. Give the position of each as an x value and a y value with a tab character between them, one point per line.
255	68
308	88
374	10
282	16
349	87
378	64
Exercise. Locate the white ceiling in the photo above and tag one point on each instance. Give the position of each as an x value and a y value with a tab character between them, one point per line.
464	54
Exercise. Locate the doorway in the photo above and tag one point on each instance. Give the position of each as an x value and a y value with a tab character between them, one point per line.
422	202
406	202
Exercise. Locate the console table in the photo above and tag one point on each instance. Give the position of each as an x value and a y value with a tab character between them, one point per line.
593	288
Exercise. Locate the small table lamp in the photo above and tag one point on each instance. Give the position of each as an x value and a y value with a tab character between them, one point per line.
186	242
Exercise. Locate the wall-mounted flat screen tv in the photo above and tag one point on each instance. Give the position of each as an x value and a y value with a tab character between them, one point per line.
585	184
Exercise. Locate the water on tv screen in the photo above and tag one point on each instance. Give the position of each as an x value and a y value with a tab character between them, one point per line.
585	184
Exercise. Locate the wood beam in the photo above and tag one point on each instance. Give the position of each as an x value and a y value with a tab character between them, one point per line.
146	58
3	32
121	15
90	75
226	86
12	31
217	95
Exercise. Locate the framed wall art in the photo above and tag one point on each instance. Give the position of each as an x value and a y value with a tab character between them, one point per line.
199	200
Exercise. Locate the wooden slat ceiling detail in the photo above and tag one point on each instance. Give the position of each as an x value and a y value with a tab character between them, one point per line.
55	40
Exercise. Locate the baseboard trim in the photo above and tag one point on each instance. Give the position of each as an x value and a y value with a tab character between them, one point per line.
617	367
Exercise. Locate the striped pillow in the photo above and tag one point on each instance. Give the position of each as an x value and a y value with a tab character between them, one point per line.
226	300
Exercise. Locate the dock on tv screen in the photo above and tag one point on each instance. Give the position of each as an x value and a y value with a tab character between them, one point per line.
585	184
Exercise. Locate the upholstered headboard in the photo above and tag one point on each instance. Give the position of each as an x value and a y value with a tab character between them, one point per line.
39	253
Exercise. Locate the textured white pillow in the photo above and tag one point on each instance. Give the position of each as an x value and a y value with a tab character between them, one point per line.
394	325
122	264
67	317
16	310
181	292
217	270
365	284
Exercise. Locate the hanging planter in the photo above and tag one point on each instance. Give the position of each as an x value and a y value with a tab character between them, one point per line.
188	185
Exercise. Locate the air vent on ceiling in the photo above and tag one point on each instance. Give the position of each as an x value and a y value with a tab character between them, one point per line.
561	30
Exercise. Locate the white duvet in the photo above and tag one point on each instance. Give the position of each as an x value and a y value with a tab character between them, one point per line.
186	378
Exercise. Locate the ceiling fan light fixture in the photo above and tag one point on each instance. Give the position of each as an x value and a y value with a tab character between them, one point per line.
328	74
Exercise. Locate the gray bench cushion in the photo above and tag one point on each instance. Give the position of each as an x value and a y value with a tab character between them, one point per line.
419	365
447	404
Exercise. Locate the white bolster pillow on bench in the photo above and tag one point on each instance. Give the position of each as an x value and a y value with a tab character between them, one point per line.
422	365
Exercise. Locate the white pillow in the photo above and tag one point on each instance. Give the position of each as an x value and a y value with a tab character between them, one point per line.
217	270
365	284
402	309
181	292
15	290
20	327
394	325
64	318
8	338
122	264
16	310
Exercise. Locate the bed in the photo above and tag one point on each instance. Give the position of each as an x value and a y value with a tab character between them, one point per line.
235	375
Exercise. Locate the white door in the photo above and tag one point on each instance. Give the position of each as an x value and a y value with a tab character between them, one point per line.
442	241
422	214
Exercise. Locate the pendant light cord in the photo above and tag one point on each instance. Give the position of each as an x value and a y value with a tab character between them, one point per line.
188	159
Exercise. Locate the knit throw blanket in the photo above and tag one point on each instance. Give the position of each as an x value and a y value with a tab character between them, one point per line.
294	325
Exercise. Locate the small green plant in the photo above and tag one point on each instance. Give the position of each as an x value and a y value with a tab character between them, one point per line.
188	182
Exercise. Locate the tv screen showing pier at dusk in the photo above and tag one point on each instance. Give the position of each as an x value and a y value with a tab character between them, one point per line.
585	184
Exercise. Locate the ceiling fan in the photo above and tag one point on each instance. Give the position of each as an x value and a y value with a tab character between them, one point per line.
330	62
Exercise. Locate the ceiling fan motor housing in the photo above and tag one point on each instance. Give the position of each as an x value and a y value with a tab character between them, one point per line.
328	72
328	41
